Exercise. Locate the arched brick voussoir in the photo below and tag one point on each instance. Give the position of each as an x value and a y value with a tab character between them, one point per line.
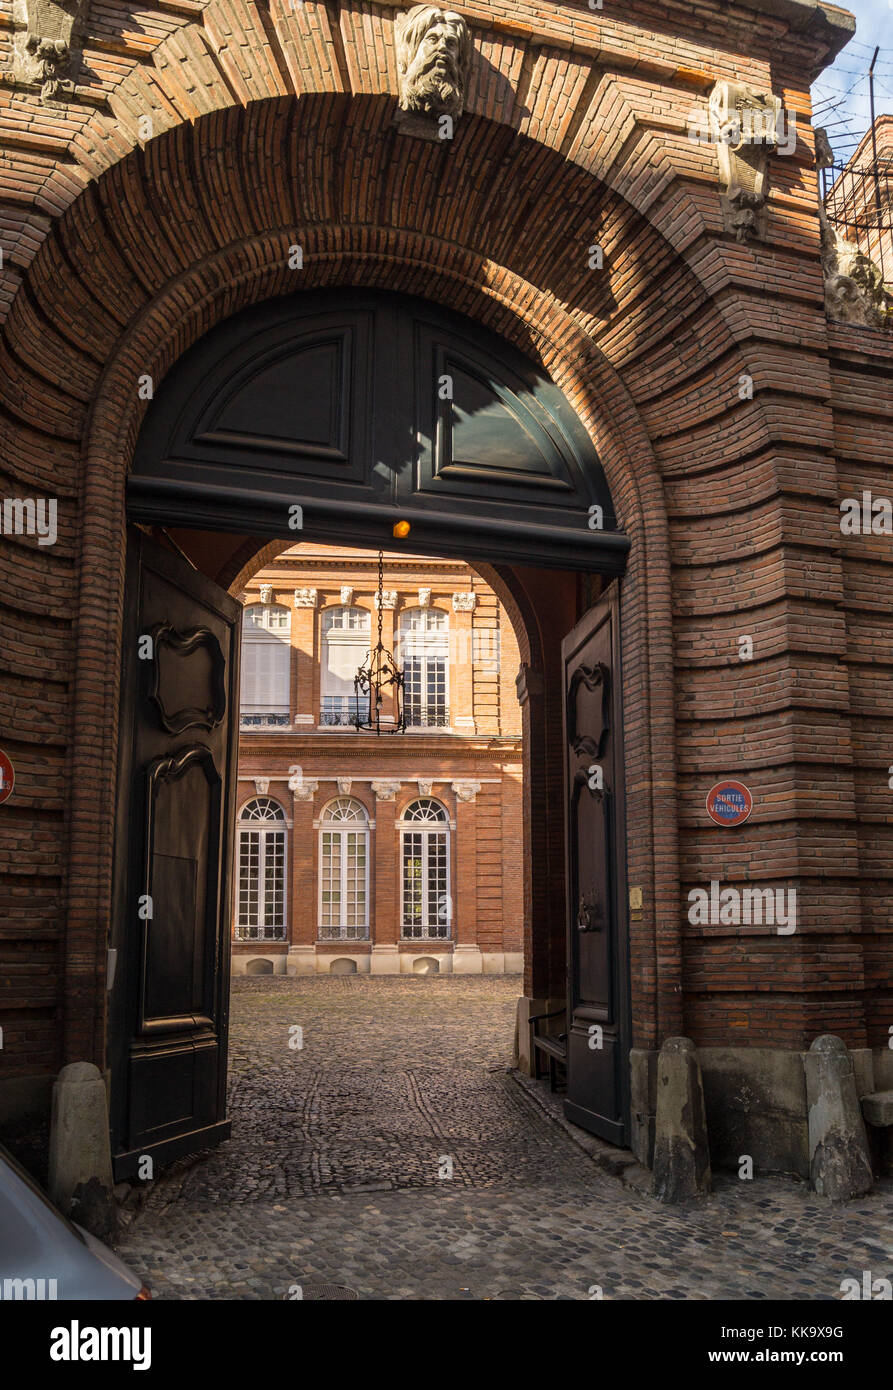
25	397
229	62
46	353
189	192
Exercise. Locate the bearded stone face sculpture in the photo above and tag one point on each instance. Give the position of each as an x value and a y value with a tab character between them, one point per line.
433	56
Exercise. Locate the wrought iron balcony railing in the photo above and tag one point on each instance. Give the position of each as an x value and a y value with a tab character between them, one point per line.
427	716
344	933
859	205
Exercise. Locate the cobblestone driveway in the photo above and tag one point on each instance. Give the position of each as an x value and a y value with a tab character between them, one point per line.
337	1172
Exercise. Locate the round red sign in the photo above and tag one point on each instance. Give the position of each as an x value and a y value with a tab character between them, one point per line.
7	777
729	803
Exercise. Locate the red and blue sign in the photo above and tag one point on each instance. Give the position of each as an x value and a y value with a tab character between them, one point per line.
729	803
7	777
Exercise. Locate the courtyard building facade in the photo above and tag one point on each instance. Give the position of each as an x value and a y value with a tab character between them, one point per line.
385	853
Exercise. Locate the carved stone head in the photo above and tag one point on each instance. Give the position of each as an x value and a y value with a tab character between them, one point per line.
433	56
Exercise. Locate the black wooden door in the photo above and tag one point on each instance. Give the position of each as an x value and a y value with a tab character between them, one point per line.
178	736
597	950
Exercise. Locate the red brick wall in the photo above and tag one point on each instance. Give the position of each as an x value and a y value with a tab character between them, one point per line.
117	258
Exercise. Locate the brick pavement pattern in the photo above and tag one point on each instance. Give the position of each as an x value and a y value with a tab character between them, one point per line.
332	1174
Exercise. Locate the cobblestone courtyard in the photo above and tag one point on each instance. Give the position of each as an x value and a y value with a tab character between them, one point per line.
339	1168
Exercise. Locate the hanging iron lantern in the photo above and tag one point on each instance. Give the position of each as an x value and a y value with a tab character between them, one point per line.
378	673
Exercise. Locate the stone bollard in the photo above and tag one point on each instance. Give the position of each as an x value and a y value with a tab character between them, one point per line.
681	1153
839	1159
81	1182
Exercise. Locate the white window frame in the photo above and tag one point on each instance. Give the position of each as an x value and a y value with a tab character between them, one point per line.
263	634
264	829
358	636
425	645
343	828
426	828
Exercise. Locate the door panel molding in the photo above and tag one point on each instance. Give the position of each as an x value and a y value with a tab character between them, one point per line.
597	930
232	441
183	645
169	1005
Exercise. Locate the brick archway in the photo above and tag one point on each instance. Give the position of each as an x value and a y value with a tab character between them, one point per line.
113	294
95	408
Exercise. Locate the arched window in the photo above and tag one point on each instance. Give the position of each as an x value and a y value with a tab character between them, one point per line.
425	856
266	666
424	653
345	647
344	871
260	871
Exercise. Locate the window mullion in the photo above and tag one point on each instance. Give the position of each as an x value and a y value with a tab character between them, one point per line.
342	901
424	858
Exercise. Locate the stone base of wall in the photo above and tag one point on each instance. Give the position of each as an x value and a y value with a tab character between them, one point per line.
756	1104
379	960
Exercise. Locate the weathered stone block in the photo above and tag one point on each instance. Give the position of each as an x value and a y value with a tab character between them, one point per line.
878	1109
80	1170
681	1153
840	1163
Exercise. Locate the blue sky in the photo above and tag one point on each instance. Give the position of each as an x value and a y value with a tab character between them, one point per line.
845	83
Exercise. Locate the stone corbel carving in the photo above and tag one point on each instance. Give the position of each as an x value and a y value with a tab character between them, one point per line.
466	791
424	787
386	791
424	598
434	49
854	285
46	45
465	603
744	124
303	790
266	594
261	785
346	595
388	598
344	785
305	598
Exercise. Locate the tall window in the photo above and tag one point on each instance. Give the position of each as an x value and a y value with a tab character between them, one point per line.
344	871
261	871
266	666
425	851
345	647
424	652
